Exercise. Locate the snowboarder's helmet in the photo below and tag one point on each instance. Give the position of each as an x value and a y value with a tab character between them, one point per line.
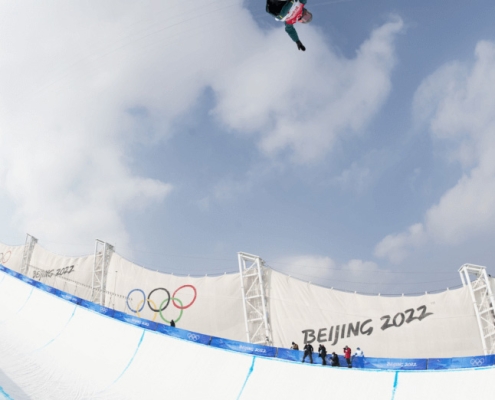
306	17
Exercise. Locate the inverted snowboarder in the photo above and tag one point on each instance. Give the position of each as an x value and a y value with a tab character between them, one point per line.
290	11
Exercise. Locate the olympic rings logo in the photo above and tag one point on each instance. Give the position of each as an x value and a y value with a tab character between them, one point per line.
152	305
193	337
4	257
477	362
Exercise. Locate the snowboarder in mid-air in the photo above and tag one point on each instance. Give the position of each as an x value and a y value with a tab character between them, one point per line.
290	11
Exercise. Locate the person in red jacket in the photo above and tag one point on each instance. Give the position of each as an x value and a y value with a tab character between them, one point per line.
347	355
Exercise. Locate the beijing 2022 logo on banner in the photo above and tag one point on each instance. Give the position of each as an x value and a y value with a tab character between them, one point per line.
162	297
365	327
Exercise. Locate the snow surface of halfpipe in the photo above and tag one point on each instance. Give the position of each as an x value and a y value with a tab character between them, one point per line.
51	348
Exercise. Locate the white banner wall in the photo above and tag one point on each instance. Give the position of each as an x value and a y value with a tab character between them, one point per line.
11	256
70	274
428	326
492	284
210	305
432	325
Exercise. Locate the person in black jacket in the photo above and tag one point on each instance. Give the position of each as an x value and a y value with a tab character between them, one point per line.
322	353
308	351
335	360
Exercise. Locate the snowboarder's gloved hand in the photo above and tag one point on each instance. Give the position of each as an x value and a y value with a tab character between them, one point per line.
300	46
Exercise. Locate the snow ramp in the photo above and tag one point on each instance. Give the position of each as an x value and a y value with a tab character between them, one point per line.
51	348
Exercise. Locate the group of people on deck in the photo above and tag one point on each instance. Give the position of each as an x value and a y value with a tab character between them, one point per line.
334	358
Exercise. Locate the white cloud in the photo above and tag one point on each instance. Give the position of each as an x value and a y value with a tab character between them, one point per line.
356	178
83	83
370	277
304	102
396	247
308	267
357	267
365	276
65	132
458	105
413	179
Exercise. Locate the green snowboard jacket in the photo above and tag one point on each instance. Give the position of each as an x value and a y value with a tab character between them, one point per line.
289	28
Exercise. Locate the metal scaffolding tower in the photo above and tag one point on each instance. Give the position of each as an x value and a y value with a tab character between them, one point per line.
28	252
483	302
103	254
254	277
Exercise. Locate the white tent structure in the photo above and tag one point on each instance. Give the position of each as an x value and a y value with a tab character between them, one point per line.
53	349
262	306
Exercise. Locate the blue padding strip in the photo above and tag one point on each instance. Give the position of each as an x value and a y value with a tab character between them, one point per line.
461	362
411	364
131	319
24	305
289	354
70	297
63	329
3	393
243	347
132	358
183	334
396	381
96	307
27	299
247	378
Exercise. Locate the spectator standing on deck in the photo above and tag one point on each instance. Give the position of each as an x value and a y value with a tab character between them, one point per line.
172	323
335	360
358	358
347	355
308	351
294	346
322	353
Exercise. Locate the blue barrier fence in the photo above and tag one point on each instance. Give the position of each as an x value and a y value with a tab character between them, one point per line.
264	351
461	362
183	334
292	355
393	363
109	312
70	297
243	347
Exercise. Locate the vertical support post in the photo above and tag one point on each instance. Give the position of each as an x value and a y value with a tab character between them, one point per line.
253	279
483	303
242	267
103	254
28	252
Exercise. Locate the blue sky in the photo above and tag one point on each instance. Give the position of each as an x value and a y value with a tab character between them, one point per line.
183	133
